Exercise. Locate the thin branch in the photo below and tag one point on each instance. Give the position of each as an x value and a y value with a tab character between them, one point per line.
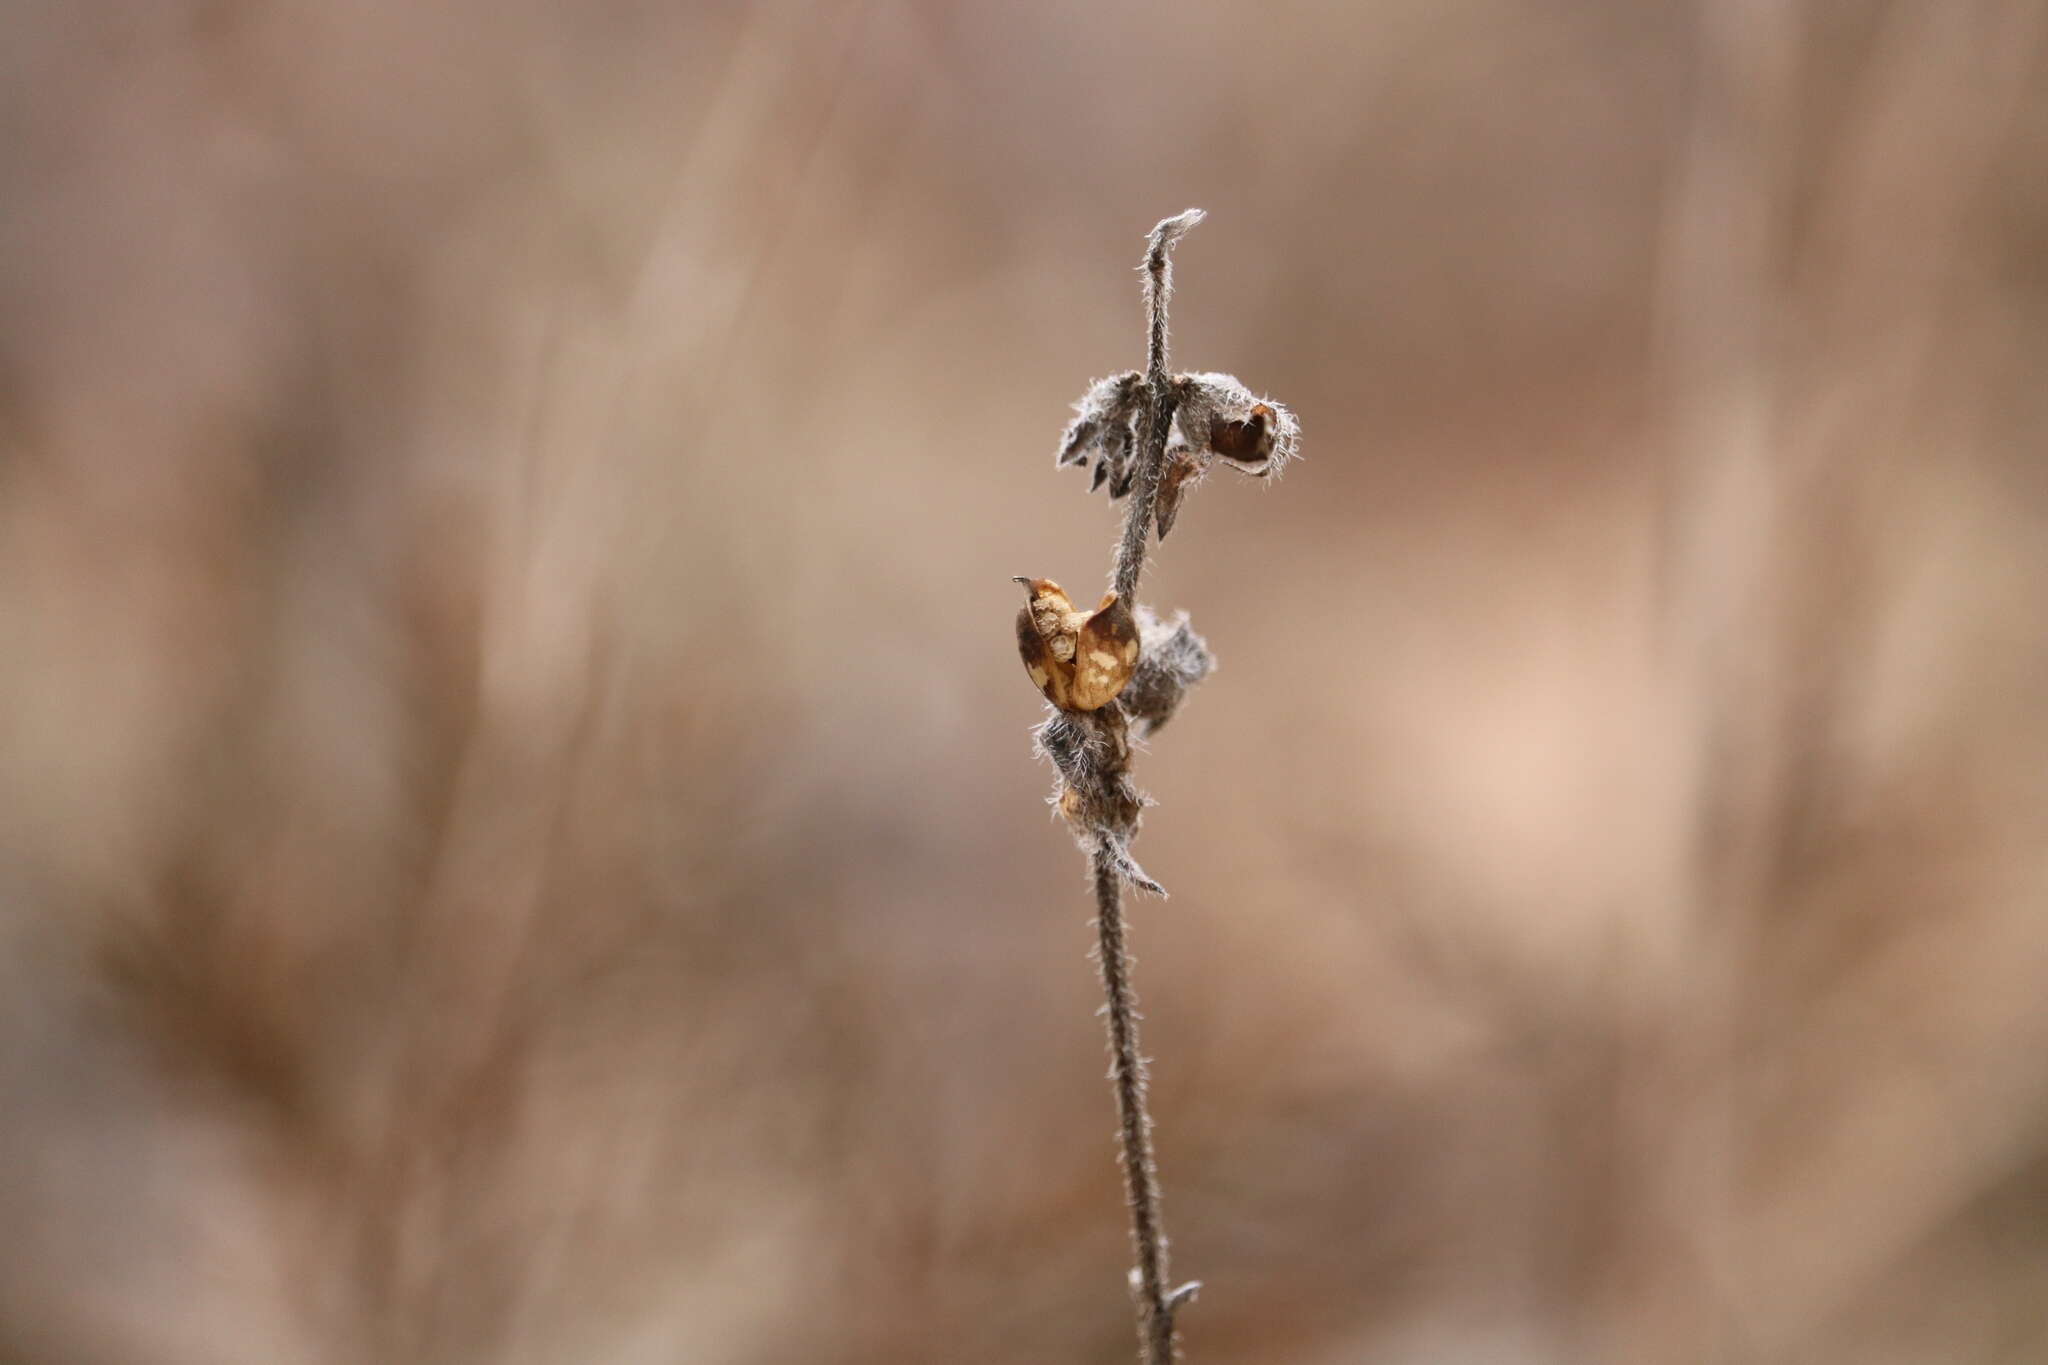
1120	665
1141	1173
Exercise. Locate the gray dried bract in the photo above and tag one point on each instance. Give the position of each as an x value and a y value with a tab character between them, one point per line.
1173	660
1104	421
1116	464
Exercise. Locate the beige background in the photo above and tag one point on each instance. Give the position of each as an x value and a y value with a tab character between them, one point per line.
518	841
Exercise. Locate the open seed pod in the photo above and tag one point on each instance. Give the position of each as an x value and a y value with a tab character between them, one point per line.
1219	416
1080	660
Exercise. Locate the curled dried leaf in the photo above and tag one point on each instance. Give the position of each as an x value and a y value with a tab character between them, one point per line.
1080	660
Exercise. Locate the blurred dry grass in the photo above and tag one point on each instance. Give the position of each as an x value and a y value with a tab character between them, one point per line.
516	839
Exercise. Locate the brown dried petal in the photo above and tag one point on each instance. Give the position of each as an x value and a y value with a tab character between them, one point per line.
1182	470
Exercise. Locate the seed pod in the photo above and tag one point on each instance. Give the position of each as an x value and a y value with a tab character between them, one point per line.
1248	443
1079	660
1220	416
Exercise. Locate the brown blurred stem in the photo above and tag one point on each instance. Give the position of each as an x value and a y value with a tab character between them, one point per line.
1156	1304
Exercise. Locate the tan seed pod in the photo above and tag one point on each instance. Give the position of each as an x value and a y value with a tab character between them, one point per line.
1079	660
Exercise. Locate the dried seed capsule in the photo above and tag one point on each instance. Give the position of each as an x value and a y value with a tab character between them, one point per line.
1220	416
1079	660
1248	442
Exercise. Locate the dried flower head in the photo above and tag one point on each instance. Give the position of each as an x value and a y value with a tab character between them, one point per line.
1215	417
1080	660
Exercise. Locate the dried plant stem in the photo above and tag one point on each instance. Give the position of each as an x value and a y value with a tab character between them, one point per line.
1141	1173
1120	671
1141	1179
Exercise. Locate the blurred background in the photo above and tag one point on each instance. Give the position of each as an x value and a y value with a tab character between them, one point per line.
518	833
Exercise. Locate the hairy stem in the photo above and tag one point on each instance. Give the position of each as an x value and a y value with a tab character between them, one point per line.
1141	1172
1159	402
1141	1177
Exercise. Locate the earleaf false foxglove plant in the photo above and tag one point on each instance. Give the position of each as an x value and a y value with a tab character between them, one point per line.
1153	436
